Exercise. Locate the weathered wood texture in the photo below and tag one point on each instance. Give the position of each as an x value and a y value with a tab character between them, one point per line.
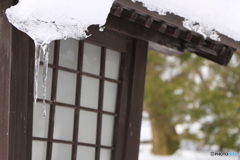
16	89
135	102
122	103
172	19
5	68
21	94
161	31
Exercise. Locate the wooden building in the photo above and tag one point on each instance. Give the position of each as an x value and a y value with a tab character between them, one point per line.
95	86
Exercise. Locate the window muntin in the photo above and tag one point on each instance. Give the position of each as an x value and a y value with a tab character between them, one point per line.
88	96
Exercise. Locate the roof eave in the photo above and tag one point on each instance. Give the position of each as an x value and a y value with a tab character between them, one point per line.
171	19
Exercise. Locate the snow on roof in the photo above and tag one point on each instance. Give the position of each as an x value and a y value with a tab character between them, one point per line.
202	16
48	20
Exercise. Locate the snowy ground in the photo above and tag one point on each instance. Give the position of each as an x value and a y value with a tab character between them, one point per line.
188	150
181	154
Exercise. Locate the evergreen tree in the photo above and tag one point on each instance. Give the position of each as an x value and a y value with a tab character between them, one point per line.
187	89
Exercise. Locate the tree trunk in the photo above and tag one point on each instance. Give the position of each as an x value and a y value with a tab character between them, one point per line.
165	139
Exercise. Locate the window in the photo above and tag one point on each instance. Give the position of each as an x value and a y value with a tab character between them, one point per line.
97	116
83	82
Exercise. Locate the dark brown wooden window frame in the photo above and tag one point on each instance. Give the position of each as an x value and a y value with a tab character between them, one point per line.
16	90
77	107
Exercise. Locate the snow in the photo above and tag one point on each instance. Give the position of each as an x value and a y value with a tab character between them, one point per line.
202	16
48	20
45	21
188	150
146	133
181	154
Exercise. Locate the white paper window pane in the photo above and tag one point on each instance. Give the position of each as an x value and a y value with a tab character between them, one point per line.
49	83
85	153
39	150
68	56
66	87
61	151
87	127
63	123
105	154
89	92
110	96
40	124
112	64
51	53
91	58
107	130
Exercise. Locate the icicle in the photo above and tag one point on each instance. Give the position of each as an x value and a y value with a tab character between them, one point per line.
36	70
45	48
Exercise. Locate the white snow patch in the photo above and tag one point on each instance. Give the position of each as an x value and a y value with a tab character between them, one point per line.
146	131
48	20
202	16
182	154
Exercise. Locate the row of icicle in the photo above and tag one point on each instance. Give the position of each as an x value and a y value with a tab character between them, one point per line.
41	49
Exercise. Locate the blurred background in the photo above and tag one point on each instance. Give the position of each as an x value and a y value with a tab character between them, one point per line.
191	107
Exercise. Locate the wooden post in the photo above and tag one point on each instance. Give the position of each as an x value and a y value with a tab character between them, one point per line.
135	103
16	89
5	72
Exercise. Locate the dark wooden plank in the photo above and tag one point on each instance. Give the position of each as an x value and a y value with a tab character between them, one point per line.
135	102
118	11
21	84
169	18
16	89
160	31
112	40
121	106
218	55
136	30
30	99
5	72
